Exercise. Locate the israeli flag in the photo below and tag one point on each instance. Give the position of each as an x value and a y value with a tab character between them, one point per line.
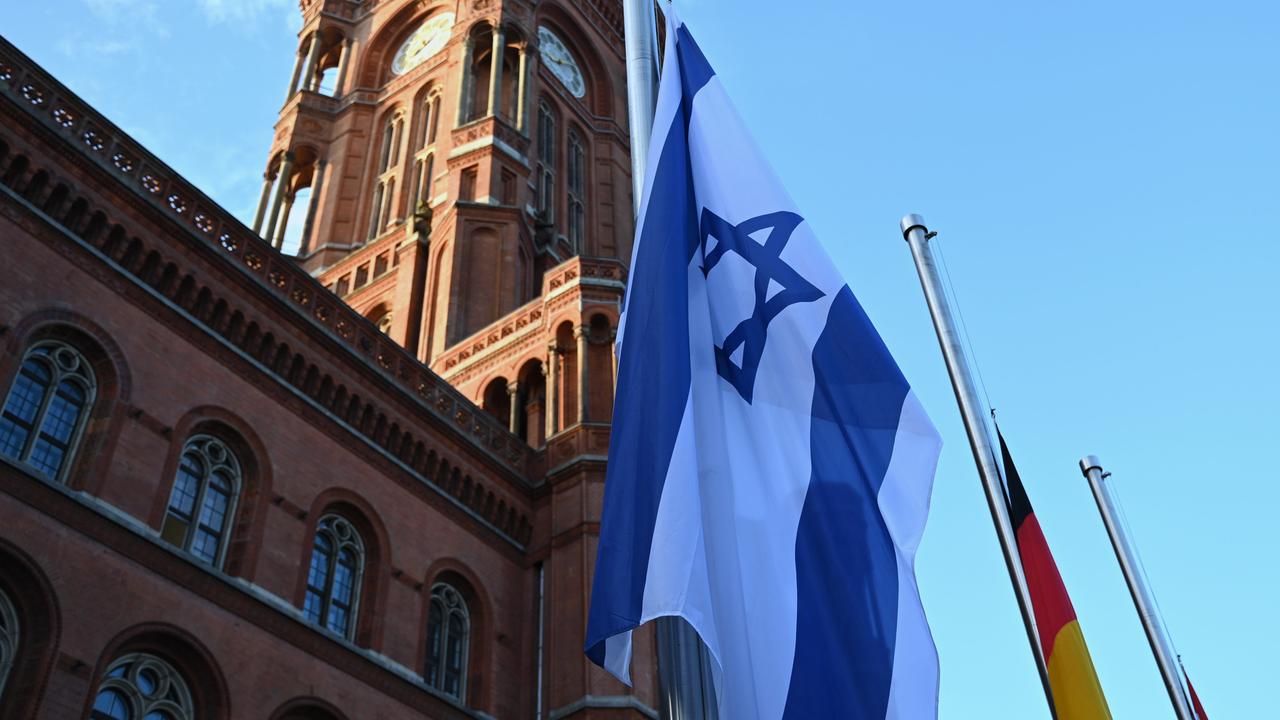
770	468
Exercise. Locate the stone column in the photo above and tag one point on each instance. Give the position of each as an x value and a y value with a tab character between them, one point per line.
282	186
464	87
513	424
309	74
262	202
581	332
553	398
284	222
495	72
343	58
297	70
317	185
523	80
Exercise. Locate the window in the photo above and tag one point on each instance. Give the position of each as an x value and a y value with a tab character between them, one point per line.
333	579
421	191
546	181
203	499
389	210
507	192
395	141
430	121
415	187
142	686
577	171
47	406
448	633
8	638
388	136
434	123
375	213
467	184
426	179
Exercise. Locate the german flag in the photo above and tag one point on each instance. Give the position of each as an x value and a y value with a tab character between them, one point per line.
1076	692
1195	699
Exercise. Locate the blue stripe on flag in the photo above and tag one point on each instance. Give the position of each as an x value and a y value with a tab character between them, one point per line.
653	389
695	71
846	569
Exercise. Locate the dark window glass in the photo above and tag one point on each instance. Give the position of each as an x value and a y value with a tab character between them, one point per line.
333	577
546	180
203	497
577	171
110	705
142	686
46	408
448	635
435	120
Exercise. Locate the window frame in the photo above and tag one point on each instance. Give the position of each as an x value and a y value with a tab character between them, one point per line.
451	603
548	128
141	703
10	638
340	533
230	461
81	373
576	163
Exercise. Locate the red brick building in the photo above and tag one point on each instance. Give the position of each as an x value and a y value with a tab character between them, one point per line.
362	481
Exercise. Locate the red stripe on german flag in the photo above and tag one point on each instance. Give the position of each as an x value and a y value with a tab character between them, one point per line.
1076	692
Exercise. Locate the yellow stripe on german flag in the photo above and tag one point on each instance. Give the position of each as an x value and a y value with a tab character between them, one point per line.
1076	692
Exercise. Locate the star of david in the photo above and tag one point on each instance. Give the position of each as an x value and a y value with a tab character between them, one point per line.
777	286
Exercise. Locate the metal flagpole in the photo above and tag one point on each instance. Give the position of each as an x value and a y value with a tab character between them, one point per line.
685	688
1143	600
917	236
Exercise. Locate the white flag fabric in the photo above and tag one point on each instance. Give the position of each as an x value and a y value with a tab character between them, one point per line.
770	468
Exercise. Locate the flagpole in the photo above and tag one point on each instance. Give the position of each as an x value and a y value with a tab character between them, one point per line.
685	687
917	236
1143	600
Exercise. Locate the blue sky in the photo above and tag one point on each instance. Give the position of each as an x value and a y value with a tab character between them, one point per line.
1104	179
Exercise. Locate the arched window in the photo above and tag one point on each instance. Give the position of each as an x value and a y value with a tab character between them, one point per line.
448	636
8	638
333	579
203	500
139	685
546	162
388	139
433	118
577	172
430	121
375	219
423	190
395	140
47	406
388	210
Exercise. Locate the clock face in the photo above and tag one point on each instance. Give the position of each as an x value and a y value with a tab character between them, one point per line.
560	62
427	40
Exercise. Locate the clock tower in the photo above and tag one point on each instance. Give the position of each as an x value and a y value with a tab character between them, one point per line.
458	172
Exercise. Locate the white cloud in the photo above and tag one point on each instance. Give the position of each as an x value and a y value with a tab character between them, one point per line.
240	11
